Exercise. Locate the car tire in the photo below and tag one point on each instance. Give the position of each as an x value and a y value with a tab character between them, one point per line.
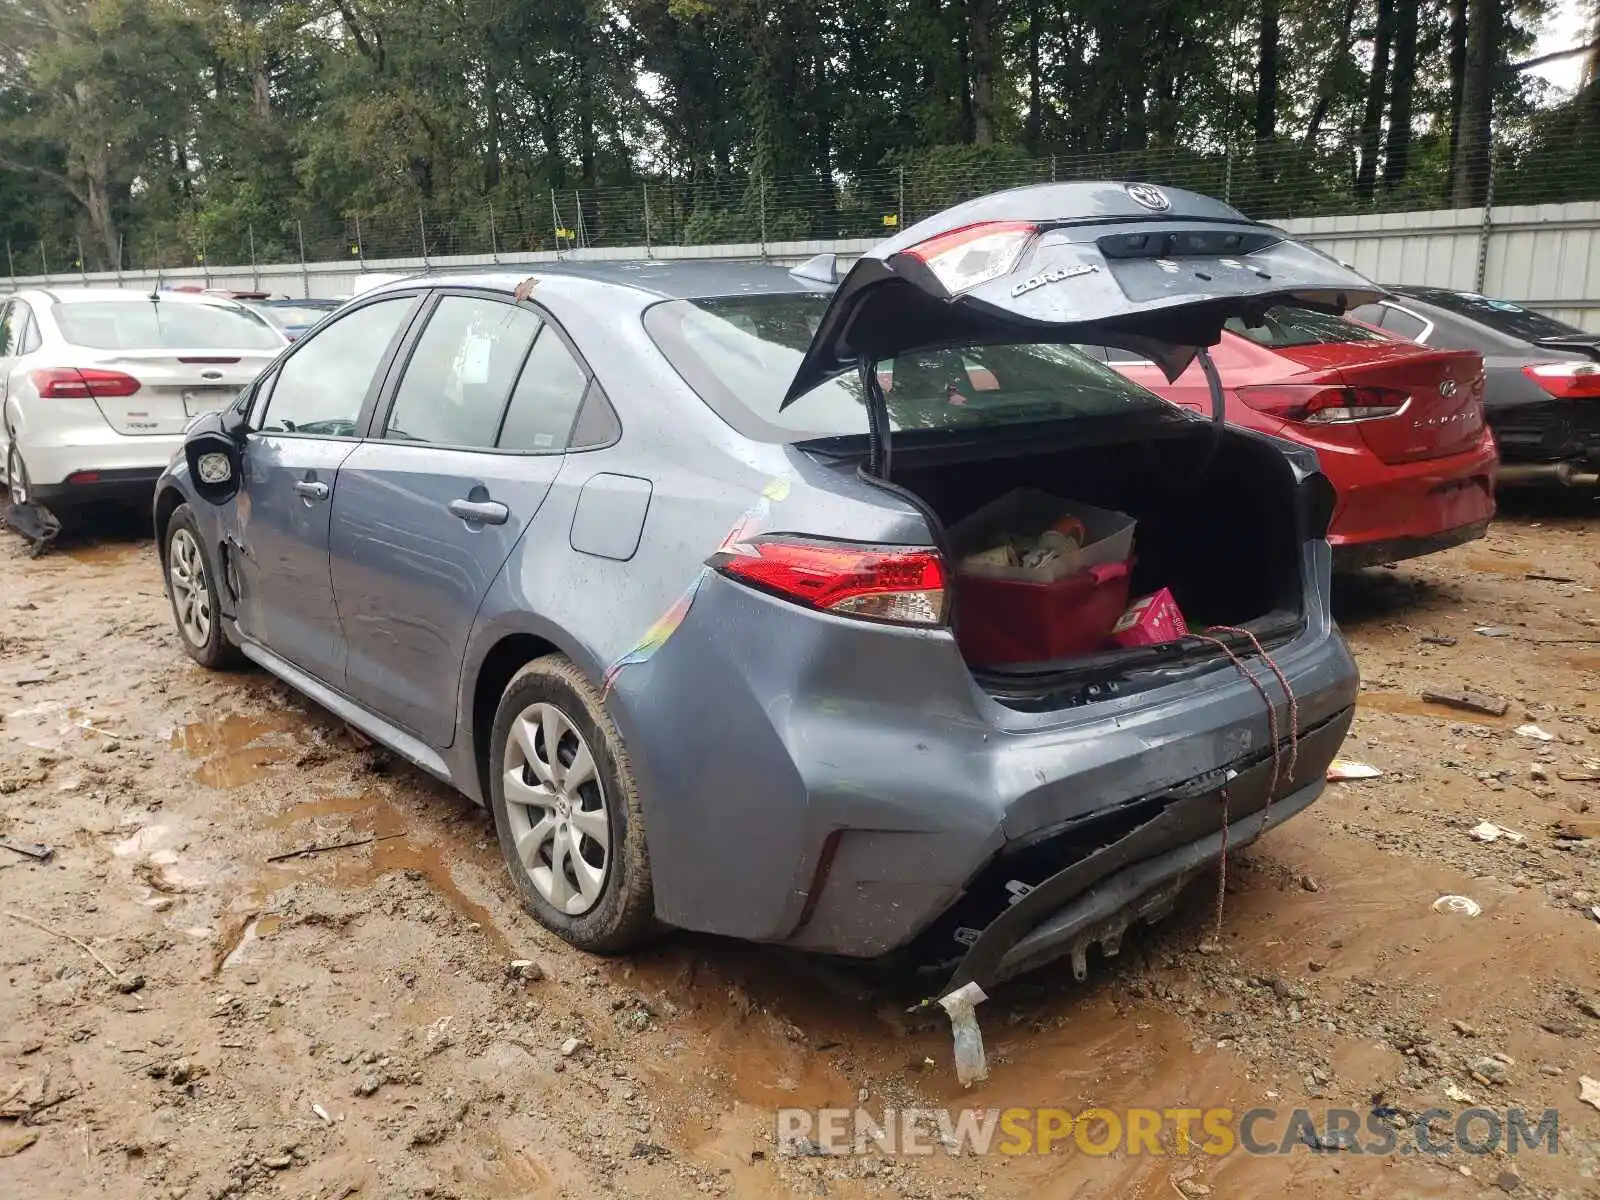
192	591
604	901
19	490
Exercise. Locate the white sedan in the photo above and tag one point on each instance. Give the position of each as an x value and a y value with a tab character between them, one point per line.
98	384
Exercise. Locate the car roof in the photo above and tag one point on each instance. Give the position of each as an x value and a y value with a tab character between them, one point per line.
116	295
669	280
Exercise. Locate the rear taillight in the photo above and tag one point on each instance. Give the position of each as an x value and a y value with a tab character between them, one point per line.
82	383
1320	404
902	584
974	254
1566	380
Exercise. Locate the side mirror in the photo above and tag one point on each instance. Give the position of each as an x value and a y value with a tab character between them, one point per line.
212	450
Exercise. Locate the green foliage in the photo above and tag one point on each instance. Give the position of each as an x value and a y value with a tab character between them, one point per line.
171	131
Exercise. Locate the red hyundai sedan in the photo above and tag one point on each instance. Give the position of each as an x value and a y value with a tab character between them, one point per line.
1399	427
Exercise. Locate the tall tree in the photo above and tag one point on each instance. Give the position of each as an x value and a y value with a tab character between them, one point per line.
1339	66
1458	72
1377	94
1397	155
1266	123
1470	168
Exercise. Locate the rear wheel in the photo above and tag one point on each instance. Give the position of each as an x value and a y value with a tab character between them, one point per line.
192	589
567	812
17	485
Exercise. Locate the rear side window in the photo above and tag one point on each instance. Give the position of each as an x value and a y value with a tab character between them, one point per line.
320	388
546	401
457	380
28	330
1403	323
163	325
740	352
10	328
1284	326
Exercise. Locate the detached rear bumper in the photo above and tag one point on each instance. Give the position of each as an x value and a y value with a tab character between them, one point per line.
1137	877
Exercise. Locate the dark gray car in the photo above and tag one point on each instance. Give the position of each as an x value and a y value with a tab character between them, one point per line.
653	560
1541	386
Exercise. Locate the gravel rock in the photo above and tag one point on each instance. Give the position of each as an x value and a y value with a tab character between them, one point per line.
1491	1070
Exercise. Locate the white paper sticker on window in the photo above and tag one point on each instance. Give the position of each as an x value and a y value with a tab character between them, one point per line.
475	359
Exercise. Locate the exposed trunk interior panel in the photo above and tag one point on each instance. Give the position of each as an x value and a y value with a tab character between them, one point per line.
1216	513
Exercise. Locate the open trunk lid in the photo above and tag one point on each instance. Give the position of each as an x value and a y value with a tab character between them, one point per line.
1157	271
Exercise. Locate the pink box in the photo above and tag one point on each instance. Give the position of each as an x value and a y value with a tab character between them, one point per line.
1149	621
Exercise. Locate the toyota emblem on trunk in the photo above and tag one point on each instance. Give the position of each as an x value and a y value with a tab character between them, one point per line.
1149	195
1447	388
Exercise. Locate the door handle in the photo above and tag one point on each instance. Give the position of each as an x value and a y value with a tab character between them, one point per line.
311	489
483	512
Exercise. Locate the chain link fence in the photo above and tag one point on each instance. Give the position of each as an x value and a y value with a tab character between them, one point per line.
1277	182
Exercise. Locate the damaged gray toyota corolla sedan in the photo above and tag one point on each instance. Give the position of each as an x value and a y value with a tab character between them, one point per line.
864	617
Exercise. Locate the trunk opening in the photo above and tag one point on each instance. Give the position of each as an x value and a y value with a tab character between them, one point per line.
1217	525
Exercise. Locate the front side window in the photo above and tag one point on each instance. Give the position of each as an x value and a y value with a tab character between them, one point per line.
740	352
320	388
163	325
456	383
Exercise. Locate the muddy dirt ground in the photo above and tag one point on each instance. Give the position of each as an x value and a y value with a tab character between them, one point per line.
347	1023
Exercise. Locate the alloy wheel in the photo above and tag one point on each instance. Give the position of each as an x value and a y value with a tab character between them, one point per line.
186	568
556	808
16	476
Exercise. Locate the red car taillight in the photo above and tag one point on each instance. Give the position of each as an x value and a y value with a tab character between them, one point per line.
1320	404
902	584
82	383
1566	380
974	254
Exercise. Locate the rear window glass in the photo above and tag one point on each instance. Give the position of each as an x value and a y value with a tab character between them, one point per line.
163	325
1502	316
1285	326
740	352
294	314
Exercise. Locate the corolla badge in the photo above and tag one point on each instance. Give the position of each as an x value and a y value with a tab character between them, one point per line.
1447	388
1149	195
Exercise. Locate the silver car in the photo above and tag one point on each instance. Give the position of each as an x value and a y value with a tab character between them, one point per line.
97	384
656	561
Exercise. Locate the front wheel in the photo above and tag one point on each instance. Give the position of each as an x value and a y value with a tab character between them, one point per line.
567	812
192	588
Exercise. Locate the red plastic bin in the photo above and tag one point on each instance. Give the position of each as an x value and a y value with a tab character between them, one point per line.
1004	621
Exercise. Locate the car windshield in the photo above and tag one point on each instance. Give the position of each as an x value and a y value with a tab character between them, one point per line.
162	325
740	352
1502	316
1285	326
